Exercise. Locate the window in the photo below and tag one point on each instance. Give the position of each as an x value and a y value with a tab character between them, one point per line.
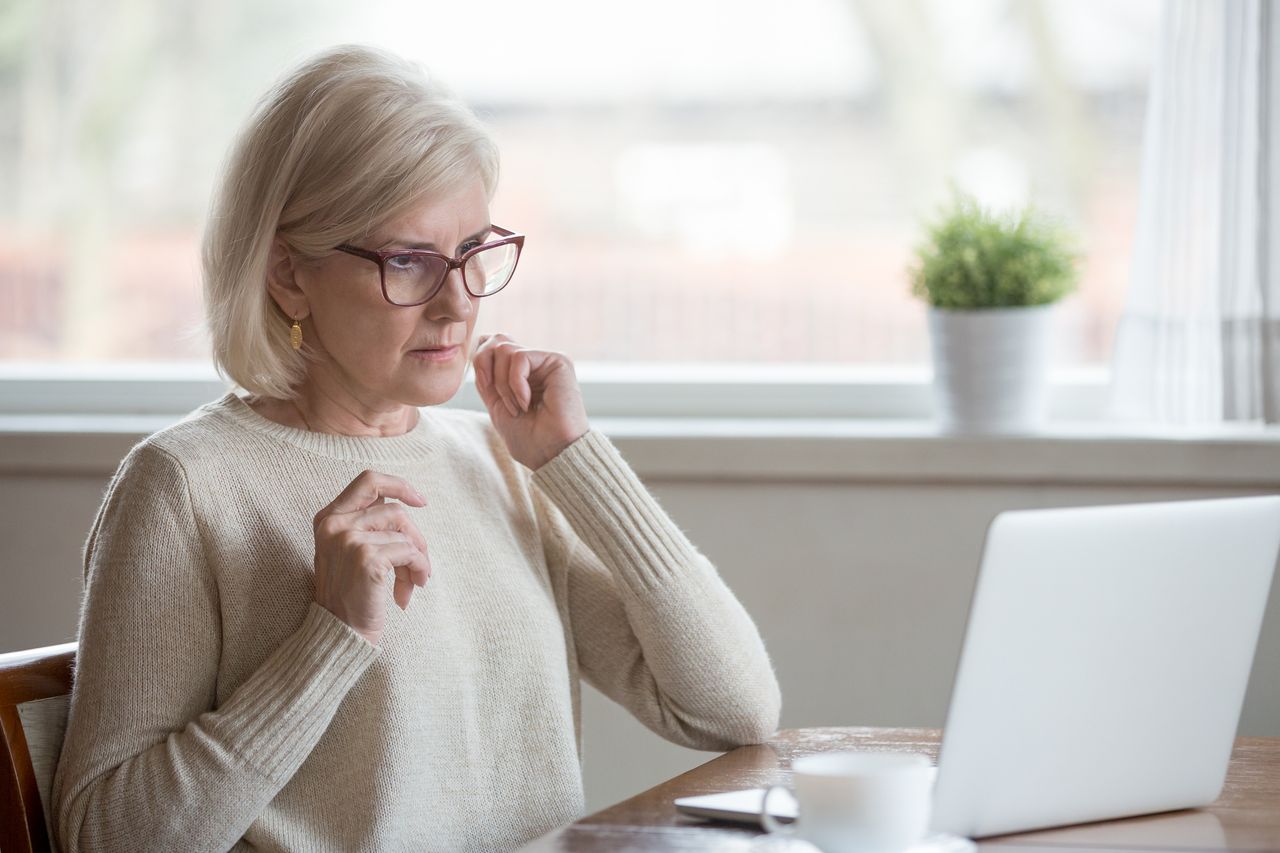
700	181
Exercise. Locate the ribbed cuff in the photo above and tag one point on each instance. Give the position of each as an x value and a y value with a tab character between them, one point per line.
609	507
275	718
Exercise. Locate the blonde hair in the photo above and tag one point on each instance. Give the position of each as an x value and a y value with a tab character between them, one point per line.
343	144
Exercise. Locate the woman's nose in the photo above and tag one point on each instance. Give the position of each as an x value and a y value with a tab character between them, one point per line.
452	301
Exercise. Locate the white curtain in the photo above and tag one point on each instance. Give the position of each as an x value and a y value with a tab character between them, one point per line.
1200	335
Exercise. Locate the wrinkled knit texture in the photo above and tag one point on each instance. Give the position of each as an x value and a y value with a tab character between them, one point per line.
216	706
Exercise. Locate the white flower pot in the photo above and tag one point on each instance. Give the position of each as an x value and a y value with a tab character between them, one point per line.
990	368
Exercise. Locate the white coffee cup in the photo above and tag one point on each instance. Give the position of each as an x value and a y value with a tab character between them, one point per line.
859	802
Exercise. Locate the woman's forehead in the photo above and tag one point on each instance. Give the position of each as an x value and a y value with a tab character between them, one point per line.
436	222
408	242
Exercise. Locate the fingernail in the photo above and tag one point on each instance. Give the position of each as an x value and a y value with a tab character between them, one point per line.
417	494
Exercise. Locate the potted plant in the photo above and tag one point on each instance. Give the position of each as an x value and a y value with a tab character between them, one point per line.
991	282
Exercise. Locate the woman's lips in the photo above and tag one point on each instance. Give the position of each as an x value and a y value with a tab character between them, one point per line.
436	354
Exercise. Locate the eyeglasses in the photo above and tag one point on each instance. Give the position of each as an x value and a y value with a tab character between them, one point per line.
414	276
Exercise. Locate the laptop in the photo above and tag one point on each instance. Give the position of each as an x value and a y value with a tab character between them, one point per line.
1103	669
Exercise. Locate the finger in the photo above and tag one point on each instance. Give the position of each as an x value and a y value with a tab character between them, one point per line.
390	517
406	555
369	488
406	578
490	397
490	364
518	379
480	362
542	364
483	384
501	375
486	369
486	343
402	590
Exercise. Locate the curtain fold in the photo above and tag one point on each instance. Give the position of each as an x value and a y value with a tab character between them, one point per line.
1197	342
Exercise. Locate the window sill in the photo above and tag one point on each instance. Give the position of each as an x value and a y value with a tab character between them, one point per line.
703	390
703	422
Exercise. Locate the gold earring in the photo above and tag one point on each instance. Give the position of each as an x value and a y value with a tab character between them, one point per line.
295	335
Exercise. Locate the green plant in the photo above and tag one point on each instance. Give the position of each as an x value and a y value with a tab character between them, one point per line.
976	259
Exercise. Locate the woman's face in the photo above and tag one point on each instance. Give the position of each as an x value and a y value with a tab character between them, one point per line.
375	348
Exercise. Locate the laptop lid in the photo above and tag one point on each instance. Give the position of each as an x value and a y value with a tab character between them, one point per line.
1105	662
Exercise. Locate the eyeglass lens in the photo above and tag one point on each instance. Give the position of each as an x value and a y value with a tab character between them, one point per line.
411	279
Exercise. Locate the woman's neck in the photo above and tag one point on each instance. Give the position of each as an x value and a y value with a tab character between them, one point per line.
315	410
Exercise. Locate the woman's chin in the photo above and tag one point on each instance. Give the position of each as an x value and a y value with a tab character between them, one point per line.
435	390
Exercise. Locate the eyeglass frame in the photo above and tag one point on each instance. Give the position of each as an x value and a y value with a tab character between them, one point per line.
381	257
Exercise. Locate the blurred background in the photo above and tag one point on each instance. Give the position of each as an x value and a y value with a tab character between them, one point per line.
699	180
733	185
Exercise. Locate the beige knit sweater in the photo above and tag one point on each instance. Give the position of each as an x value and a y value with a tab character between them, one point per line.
217	706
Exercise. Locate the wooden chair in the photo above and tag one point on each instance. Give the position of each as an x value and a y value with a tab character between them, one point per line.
35	688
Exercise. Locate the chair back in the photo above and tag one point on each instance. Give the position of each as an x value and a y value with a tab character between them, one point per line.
35	689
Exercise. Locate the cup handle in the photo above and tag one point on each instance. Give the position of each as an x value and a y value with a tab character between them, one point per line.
768	822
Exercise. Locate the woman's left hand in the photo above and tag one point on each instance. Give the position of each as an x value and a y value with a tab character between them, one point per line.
532	396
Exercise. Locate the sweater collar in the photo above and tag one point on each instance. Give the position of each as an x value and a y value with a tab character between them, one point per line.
425	437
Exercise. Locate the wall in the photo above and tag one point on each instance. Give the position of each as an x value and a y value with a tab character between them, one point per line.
855	550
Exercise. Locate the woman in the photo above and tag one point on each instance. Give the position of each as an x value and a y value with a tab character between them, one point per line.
242	680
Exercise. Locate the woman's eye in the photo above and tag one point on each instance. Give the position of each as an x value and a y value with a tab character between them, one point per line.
469	245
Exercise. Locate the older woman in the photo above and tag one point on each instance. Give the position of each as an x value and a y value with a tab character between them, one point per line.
327	613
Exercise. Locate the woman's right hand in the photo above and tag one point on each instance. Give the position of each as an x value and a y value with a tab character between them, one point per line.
360	539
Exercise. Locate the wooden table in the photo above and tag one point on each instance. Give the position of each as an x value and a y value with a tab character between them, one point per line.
1246	817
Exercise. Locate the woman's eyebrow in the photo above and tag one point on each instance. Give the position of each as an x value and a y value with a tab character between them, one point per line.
411	244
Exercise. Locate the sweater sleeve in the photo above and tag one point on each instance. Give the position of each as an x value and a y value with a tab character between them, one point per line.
148	762
654	626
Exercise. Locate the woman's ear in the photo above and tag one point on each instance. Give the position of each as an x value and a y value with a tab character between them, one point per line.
282	281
